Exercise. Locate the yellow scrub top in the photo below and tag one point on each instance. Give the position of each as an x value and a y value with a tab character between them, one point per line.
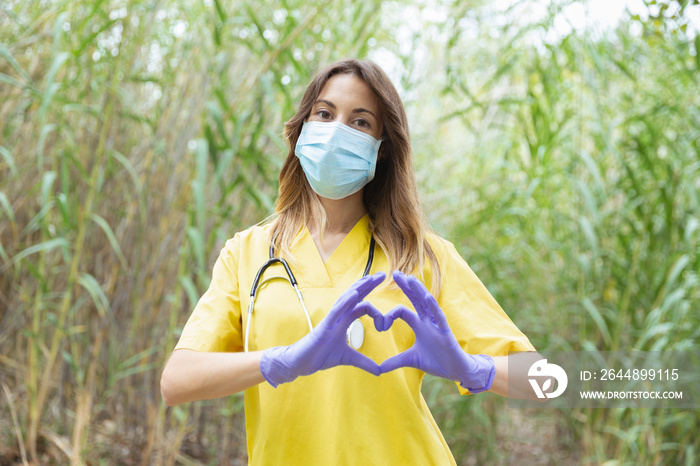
342	415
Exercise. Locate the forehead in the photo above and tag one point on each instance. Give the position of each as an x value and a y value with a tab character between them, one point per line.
351	90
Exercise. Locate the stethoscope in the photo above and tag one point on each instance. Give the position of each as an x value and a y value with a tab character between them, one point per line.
355	332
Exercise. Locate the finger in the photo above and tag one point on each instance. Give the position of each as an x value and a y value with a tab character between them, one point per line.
404	282
362	309
346	301
429	304
404	359
379	323
405	314
361	361
419	290
350	307
354	295
366	284
367	308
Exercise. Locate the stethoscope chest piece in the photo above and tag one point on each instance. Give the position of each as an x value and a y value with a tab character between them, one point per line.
356	334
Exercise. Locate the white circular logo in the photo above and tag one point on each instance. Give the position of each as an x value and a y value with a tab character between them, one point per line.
543	369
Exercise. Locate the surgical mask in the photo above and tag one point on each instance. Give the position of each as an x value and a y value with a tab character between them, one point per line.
338	160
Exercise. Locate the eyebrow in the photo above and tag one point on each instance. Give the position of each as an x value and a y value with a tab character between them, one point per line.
356	110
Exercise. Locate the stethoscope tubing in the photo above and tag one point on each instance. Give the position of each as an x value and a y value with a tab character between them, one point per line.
292	280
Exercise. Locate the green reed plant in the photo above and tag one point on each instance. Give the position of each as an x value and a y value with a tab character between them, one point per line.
136	137
568	178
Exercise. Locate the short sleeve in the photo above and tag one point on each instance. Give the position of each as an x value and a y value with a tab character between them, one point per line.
477	321
215	323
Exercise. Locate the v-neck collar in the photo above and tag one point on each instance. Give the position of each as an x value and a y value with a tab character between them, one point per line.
351	251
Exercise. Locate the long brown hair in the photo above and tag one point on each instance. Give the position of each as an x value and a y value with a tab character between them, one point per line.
391	198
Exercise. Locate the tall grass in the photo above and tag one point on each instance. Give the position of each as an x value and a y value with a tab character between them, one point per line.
137	135
567	173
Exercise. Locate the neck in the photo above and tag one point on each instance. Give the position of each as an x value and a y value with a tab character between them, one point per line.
342	214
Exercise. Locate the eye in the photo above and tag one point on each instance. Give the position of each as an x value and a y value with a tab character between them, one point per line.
362	123
324	114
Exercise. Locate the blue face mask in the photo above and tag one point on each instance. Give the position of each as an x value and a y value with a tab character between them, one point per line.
338	161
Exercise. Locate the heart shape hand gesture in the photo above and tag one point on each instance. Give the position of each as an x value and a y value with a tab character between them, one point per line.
435	350
326	345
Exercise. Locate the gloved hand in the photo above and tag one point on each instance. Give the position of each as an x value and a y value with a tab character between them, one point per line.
326	346
435	349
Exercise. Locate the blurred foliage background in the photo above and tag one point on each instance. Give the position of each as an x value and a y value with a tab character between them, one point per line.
138	135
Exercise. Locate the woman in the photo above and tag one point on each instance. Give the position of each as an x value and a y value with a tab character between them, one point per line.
310	398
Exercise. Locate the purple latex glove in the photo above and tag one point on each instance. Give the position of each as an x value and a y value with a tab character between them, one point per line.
435	349
326	346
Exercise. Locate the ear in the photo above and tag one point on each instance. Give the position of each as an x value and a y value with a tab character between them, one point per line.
383	148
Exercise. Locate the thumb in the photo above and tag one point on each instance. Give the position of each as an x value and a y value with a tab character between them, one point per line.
362	362
404	359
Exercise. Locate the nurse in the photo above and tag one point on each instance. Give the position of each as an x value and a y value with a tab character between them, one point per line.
351	230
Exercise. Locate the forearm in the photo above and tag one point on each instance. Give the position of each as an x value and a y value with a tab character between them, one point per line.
193	375
513	388
500	381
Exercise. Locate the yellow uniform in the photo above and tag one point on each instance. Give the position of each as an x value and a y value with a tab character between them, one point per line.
341	415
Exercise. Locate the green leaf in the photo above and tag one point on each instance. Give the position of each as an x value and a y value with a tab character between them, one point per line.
199	185
676	269
13	63
38	218
11	81
46	246
598	319
45	131
197	245
129	167
132	366
52	87
3	253
111	237
589	234
46	186
9	160
7	206
190	290
593	169
95	291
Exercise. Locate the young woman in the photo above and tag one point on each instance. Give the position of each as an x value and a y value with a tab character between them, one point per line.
331	354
